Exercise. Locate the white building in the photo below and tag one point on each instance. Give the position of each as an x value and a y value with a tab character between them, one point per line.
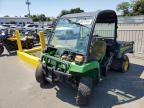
131	19
15	20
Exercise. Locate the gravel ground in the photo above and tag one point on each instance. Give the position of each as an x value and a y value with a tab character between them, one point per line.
18	88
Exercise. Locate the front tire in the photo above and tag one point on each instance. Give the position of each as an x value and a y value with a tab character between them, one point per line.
1	49
39	75
84	91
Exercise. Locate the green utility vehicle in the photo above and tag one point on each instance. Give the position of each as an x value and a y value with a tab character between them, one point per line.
81	49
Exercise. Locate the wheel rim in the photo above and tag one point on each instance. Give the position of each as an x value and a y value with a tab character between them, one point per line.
126	65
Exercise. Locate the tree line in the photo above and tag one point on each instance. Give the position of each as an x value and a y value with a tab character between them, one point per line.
40	18
43	18
131	8
126	8
135	7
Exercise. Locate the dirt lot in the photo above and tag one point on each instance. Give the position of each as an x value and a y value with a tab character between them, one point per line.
18	88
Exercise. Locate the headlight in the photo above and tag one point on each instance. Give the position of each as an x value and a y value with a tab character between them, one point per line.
79	59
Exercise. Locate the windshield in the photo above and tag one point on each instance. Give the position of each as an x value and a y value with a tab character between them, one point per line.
72	34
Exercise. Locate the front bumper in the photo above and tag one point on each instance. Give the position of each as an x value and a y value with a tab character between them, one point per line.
53	71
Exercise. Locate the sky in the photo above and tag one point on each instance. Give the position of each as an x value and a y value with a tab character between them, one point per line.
52	8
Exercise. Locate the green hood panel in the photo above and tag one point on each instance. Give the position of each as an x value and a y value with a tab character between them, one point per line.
72	66
83	67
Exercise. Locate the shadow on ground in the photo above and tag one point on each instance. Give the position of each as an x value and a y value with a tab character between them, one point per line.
117	88
10	54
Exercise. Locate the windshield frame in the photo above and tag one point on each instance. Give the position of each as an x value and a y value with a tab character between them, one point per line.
68	18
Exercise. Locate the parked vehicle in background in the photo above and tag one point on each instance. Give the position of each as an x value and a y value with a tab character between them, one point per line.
34	35
3	27
19	27
30	27
9	25
10	44
48	26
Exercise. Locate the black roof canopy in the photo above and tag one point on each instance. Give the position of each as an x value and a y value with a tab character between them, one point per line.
100	16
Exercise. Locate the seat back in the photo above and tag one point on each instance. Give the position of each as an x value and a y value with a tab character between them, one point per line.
98	49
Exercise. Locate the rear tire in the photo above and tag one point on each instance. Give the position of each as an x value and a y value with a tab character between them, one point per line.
39	75
84	91
124	64
1	49
121	64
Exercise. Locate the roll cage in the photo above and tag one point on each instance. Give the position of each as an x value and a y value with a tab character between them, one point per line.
104	16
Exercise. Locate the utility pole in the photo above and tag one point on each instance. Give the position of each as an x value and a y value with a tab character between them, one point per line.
28	3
